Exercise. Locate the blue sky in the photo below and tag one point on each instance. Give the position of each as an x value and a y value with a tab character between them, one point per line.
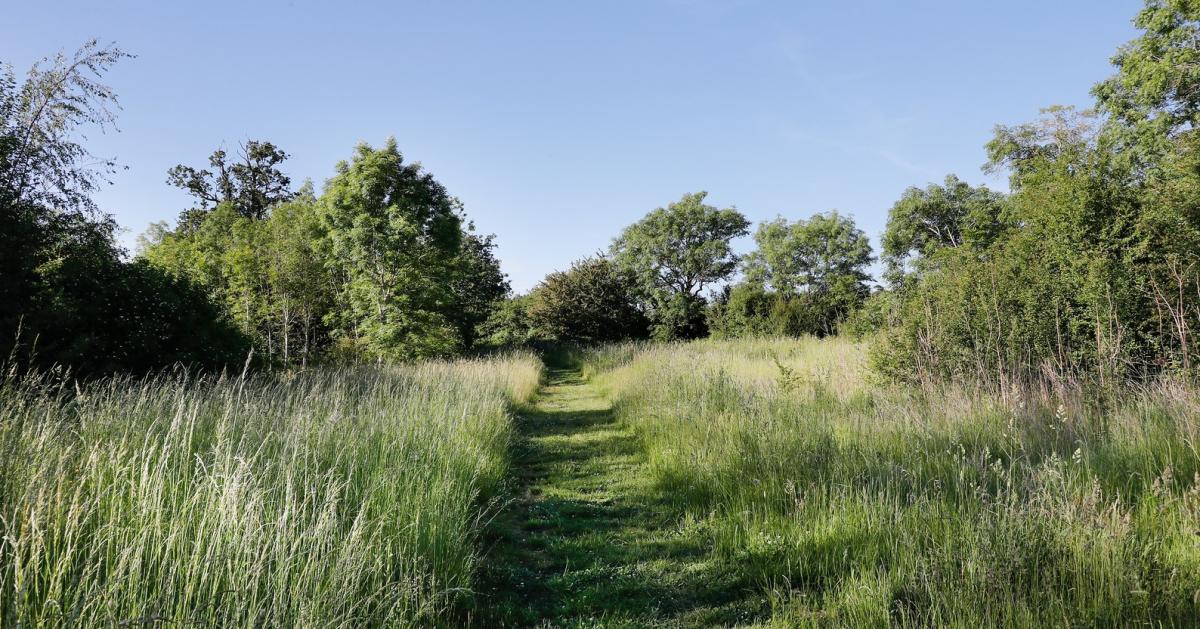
558	123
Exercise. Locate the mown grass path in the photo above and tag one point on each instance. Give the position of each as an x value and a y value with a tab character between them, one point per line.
586	542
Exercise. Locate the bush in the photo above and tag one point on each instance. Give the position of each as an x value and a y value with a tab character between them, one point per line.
749	309
70	302
592	302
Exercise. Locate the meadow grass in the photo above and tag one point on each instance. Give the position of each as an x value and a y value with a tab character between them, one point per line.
324	499
852	503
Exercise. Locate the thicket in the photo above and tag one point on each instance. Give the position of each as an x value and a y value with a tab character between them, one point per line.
67	297
383	264
1089	270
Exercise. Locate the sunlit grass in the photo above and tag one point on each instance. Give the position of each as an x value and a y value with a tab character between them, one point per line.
329	498
858	504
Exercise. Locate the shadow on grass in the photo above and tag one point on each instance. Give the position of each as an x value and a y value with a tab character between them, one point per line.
586	541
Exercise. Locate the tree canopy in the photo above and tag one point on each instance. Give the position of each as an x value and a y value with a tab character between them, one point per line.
251	185
67	300
592	302
675	253
812	255
1156	90
925	220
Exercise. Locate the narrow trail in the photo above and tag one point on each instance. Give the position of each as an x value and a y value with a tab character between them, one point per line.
586	542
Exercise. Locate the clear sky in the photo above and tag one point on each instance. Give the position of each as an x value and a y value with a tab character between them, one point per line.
558	123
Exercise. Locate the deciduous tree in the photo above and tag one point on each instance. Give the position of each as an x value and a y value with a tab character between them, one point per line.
675	253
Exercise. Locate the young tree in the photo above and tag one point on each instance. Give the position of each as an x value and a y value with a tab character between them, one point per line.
301	288
395	235
675	253
592	302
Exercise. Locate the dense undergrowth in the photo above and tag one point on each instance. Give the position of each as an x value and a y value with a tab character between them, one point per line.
856	504
327	498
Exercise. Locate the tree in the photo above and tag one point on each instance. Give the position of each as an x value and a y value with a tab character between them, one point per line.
380	266
508	324
251	185
41	163
1156	90
47	177
66	297
302	291
478	285
592	302
394	236
821	261
809	255
926	220
675	253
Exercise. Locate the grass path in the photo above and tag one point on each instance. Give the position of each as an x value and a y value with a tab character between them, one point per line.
587	542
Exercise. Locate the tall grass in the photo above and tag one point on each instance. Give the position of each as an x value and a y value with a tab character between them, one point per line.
855	504
325	499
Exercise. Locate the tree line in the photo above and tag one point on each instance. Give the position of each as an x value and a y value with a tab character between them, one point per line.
1087	269
805	277
382	264
1088	266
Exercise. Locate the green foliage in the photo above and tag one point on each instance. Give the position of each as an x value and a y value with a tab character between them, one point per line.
1059	291
674	253
805	277
592	302
508	324
67	299
42	163
380	266
1089	267
926	220
814	255
745	310
877	312
394	235
1156	91
478	286
268	274
252	185
750	310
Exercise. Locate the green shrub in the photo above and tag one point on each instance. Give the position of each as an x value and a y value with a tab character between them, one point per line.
592	302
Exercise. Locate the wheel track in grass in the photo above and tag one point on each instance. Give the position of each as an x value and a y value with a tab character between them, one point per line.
586	541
